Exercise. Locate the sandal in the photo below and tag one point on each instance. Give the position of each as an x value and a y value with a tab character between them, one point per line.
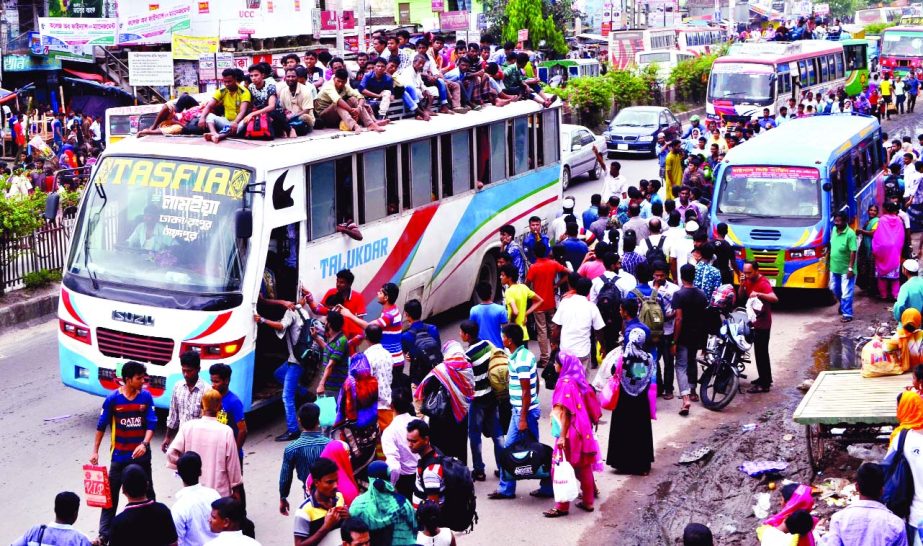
684	411
668	396
693	397
539	494
846	319
757	389
584	507
554	513
496	495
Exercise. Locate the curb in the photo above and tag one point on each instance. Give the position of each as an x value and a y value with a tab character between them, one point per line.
684	116
40	305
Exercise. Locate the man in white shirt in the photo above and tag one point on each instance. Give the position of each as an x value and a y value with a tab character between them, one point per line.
558	226
912	177
626	282
412	76
227	519
681	250
193	508
382	368
575	321
666	290
615	183
402	462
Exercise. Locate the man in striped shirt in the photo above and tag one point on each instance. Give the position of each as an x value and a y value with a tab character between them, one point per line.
483	415
301	454
391	323
186	401
129	412
524	400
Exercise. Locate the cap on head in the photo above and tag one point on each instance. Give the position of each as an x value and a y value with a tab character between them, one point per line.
912	266
692	226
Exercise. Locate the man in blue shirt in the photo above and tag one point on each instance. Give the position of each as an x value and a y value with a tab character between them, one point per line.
413	310
232	409
534	236
377	87
574	249
591	214
509	245
57	129
912	85
766	122
61	532
489	316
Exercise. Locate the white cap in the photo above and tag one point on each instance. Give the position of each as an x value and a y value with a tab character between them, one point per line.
569	203
912	266
692	226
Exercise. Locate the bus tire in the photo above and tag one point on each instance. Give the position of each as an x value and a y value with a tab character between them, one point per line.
487	272
565	178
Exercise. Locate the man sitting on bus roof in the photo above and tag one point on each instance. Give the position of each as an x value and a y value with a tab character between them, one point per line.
236	102
175	117
337	104
298	103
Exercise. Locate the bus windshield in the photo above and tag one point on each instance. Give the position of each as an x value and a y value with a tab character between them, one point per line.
770	192
904	44
741	82
162	224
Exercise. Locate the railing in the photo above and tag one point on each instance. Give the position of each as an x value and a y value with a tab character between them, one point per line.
45	249
118	71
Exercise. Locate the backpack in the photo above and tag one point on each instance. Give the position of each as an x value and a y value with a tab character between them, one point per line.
655	254
459	510
527	459
305	350
259	128
425	354
498	373
609	301
650	313
898	490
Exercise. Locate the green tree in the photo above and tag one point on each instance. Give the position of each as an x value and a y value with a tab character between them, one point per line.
56	8
528	14
846	8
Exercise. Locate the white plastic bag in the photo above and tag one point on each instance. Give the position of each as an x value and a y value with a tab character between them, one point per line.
564	482
605	369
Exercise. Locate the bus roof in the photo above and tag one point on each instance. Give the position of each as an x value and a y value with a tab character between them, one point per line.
319	145
903	28
778	51
804	142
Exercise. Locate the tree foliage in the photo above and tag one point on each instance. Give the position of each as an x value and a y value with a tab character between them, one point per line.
594	96
690	77
845	8
529	14
875	28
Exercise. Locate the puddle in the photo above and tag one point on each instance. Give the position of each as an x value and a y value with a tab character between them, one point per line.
837	352
663	489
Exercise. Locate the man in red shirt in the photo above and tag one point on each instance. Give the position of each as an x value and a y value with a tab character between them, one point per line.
755	285
541	277
342	294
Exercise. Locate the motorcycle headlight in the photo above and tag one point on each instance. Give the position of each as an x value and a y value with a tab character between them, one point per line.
724	329
646	139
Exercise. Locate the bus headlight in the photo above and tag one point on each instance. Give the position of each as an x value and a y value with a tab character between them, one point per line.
214	351
73	331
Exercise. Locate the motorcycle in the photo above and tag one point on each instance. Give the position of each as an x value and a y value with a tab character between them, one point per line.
725	358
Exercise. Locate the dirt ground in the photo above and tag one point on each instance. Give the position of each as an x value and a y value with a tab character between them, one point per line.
713	491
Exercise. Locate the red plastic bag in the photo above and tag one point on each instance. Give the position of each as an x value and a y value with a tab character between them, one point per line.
96	486
609	397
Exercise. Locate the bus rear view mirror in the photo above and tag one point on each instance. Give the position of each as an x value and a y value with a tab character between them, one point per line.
243	224
827	186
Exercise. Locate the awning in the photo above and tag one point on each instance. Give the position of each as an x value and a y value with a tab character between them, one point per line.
85	75
100	88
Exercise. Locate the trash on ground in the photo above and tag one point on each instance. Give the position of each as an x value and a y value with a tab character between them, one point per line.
867	452
749	427
694	455
755	469
788	437
761	508
58	418
805	385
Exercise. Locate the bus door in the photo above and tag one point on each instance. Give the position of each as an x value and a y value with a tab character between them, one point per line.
841	178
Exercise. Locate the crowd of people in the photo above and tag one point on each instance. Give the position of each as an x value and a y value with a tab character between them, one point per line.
427	77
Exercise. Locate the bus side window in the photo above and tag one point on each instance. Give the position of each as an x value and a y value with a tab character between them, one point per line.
551	136
540	139
377	187
874	146
322	199
824	73
497	151
520	140
482	136
860	64
421	173
840	184
802	74
461	161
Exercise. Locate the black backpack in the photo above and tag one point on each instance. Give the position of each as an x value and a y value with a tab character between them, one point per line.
609	301
425	354
305	350
655	254
459	510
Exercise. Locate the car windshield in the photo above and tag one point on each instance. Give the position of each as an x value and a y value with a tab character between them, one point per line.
741	83
162	224
635	118
770	192
902	44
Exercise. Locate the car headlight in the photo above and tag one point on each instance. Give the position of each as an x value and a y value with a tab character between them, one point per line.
646	139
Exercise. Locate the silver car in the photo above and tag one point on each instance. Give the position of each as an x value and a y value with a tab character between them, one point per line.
578	155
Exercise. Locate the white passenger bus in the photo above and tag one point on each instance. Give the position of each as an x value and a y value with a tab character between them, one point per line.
754	76
173	234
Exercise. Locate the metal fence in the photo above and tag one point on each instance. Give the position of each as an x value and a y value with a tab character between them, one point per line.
43	249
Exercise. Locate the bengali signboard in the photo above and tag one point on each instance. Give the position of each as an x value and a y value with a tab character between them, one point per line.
151	68
771	172
193	47
453	20
65	32
154	27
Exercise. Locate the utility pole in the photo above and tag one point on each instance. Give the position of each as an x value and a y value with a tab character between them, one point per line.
338	11
363	45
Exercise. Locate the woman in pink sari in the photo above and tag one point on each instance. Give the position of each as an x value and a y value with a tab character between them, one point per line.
887	245
338	452
575	411
795	497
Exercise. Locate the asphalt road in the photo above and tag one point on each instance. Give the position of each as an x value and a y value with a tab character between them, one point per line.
46	433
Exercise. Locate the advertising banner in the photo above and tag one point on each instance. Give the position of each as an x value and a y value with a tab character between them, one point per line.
154	27
193	47
74	31
453	20
151	68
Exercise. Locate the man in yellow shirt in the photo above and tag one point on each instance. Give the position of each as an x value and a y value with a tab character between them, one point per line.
517	298
886	94
234	98
673	168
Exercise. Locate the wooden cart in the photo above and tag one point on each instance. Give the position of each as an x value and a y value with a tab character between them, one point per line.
843	408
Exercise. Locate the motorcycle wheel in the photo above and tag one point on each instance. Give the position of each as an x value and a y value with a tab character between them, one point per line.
717	390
